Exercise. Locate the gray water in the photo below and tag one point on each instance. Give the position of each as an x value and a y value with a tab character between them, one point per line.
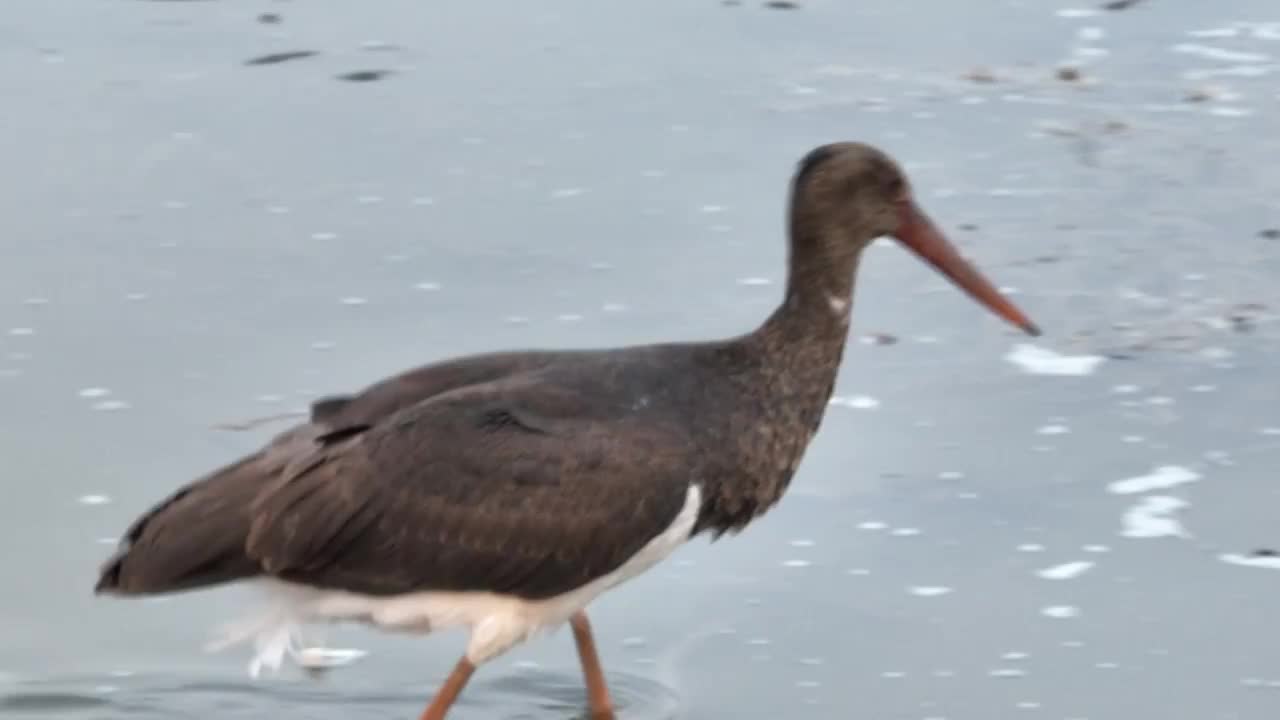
192	239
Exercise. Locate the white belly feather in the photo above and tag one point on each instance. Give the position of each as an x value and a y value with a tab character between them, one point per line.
497	622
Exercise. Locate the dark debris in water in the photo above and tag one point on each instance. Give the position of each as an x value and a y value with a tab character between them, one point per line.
1069	74
49	702
364	75
275	58
270	18
882	338
982	76
1265	552
1117	5
782	5
1269	233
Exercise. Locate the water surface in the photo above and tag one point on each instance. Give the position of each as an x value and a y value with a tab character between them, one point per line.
197	235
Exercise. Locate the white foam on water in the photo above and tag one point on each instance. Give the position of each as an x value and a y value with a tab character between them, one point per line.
929	590
93	500
1031	548
22	331
1053	430
110	405
858	402
1015	655
1060	612
1153	517
1007	673
1211	52
1269	562
321	658
905	532
1036	360
755	281
1270	431
428	286
1219	32
1161	478
94	392
872	525
1065	571
1096	549
570	192
1227	111
1072	13
353	300
796	563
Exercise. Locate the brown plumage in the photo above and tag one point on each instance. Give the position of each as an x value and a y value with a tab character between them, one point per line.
530	474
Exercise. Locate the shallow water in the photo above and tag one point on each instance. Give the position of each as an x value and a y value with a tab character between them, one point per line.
192	238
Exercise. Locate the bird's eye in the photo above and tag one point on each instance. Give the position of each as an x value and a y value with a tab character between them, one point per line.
896	189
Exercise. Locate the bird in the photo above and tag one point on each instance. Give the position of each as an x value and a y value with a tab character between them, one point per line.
503	492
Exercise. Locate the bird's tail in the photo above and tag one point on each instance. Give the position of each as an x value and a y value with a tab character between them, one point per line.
196	537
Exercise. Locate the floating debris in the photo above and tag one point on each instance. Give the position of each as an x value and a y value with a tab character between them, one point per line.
1068	74
880	338
1269	233
1117	5
980	75
1161	478
363	75
782	5
270	18
276	58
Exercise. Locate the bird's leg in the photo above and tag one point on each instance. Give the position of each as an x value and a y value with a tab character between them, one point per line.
449	691
597	691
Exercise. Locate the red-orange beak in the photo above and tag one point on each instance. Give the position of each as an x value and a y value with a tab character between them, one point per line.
918	233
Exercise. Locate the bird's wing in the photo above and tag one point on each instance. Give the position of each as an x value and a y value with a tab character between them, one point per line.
514	487
196	536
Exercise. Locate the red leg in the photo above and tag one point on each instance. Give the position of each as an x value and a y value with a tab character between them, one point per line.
450	691
597	691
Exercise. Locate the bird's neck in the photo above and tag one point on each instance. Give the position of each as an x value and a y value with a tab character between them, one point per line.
806	335
793	361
